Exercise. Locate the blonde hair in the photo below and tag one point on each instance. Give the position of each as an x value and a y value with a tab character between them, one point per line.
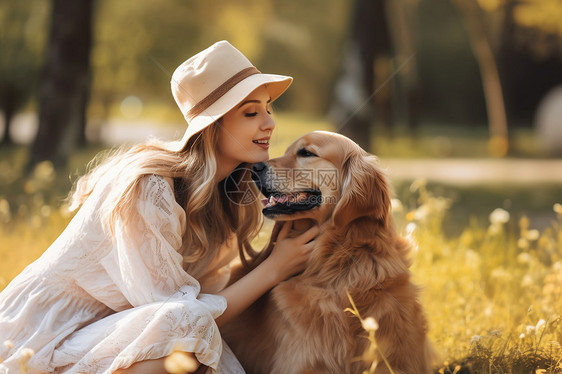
212	216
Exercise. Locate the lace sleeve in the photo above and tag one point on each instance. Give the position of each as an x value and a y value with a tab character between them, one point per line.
144	262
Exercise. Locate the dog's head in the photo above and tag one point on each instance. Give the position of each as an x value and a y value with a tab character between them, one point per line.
323	175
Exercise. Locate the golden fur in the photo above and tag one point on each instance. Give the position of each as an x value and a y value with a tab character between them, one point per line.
300	326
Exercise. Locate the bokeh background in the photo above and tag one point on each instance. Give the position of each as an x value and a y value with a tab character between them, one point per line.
374	68
460	99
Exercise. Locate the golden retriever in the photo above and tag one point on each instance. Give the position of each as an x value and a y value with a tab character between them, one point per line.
301	325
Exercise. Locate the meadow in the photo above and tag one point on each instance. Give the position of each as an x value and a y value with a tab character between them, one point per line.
489	259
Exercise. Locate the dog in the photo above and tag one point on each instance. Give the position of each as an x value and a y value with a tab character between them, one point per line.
301	325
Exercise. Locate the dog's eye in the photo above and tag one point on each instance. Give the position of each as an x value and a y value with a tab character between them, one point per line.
303	152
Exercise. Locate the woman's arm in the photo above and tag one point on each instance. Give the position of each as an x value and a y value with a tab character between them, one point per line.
287	258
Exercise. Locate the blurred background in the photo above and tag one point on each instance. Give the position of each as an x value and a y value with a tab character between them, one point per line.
466	94
74	73
424	80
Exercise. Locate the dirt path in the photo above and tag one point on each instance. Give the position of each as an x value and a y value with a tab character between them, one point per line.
476	171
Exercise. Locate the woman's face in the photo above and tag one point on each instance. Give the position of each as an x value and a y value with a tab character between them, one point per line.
245	131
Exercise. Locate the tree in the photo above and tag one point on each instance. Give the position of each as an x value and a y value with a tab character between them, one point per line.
353	108
64	89
541	15
21	24
380	48
493	95
529	56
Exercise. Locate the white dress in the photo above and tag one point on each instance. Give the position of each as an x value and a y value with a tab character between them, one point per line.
93	302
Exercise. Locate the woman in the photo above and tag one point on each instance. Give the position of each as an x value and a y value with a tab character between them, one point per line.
141	269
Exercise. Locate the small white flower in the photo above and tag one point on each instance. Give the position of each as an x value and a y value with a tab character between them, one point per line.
499	215
410	228
475	339
421	213
396	205
8	344
557	208
529	329
524	258
523	243
370	324
532	235
540	325
527	281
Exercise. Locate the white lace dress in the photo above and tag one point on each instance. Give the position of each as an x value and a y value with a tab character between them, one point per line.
92	303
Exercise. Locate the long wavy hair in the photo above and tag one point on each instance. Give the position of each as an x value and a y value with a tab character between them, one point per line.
213	217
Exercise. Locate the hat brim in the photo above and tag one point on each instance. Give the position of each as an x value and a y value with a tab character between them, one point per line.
276	85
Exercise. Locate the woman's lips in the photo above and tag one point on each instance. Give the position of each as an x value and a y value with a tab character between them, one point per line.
263	143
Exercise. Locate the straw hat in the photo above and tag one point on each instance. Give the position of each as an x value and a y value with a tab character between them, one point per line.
209	84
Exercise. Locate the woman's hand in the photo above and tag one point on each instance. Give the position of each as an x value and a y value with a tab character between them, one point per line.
289	255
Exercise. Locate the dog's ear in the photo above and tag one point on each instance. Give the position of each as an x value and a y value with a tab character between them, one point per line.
365	192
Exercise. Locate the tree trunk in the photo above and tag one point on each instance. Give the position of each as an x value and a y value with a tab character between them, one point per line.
65	85
7	139
354	103
352	109
9	111
493	94
403	27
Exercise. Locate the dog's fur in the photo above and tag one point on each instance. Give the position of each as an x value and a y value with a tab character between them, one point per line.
300	326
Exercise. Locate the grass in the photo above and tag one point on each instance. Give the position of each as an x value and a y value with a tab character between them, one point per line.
488	258
492	292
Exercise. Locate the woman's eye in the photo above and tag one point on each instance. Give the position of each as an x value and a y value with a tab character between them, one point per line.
251	114
303	152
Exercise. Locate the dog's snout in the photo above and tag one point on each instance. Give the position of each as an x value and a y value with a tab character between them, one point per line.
259	167
259	171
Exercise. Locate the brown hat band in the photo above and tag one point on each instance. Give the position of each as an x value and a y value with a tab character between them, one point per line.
219	91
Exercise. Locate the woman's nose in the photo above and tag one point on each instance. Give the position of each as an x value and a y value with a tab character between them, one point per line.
268	124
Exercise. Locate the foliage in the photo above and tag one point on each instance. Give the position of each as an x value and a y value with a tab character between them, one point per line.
22	26
275	35
543	15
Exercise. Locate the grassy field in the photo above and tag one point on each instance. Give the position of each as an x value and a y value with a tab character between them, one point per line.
488	258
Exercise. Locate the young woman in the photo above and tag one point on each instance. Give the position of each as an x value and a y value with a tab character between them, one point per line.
141	269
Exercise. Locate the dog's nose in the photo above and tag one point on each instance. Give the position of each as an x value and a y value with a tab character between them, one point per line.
259	171
259	167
